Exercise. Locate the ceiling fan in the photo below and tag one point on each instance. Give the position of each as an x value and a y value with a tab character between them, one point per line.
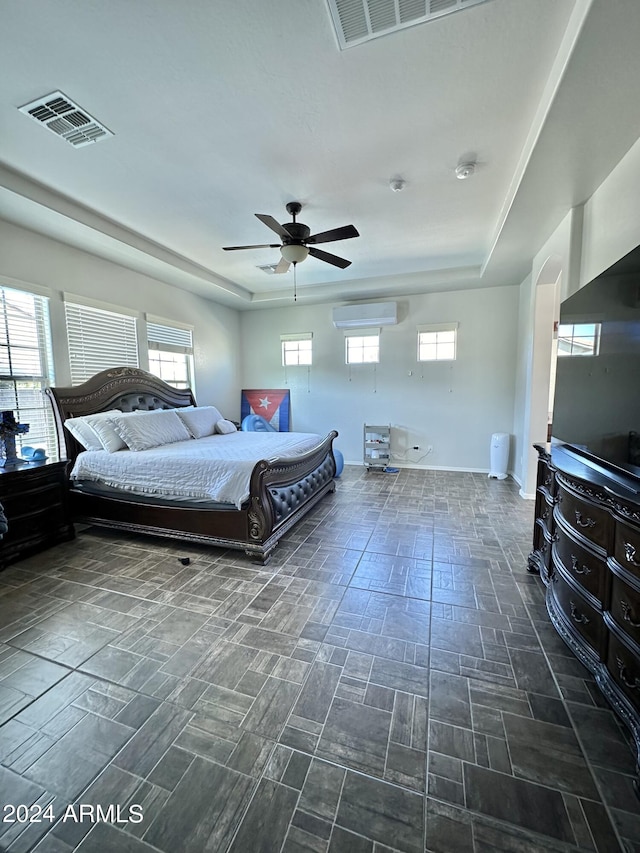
298	242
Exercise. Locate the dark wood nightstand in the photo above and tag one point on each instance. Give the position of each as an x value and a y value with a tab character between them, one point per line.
34	497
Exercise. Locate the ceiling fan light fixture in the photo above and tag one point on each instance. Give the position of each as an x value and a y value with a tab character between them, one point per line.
294	253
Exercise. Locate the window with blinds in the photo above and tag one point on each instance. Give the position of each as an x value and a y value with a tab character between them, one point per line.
170	352
26	366
99	339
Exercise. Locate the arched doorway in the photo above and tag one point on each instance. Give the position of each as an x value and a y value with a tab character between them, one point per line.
541	373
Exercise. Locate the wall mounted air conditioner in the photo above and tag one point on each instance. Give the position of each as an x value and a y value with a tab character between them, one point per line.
360	316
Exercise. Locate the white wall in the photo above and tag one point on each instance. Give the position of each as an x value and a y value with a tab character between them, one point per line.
611	226
452	406
33	259
590	239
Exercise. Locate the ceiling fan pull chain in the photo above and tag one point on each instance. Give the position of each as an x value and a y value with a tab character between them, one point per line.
295	283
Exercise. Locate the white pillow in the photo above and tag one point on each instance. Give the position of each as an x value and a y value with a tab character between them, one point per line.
83	433
104	434
201	420
150	429
225	427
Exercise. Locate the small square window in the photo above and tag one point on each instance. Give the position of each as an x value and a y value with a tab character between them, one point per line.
439	345
296	352
362	349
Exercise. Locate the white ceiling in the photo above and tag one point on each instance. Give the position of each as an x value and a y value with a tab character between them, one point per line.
225	109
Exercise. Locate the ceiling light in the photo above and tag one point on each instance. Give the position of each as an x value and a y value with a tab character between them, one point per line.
465	170
294	253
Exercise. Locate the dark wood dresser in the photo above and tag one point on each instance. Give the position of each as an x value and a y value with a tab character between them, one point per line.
586	547
34	498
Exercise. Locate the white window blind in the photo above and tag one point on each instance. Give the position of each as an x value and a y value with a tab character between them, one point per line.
170	352
99	339
169	338
26	365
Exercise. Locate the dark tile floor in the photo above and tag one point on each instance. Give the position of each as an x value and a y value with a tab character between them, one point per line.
391	682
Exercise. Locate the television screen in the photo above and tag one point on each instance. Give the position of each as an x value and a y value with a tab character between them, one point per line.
597	391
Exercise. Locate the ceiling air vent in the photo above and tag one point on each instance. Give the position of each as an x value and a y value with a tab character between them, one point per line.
357	21
66	119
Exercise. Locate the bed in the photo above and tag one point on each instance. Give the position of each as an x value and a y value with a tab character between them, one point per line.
280	488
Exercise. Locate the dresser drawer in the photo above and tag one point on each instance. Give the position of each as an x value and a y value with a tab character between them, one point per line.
627	547
544	511
585	619
587	519
623	665
624	607
582	565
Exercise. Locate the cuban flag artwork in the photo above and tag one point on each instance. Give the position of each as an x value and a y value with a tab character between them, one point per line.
272	404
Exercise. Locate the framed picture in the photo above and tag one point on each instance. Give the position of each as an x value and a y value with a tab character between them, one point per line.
273	404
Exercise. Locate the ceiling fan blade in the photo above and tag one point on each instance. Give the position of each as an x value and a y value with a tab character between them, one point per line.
272	223
344	233
330	259
283	266
259	246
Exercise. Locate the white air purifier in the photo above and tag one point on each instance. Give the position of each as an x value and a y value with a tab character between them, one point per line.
499	455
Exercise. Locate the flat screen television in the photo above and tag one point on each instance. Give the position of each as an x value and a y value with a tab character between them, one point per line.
597	392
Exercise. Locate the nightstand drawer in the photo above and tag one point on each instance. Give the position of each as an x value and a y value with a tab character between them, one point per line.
35	502
32	500
24	526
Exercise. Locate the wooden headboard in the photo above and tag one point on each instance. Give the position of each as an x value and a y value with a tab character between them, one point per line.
125	388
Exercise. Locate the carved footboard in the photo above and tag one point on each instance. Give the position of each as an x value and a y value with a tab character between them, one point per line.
284	489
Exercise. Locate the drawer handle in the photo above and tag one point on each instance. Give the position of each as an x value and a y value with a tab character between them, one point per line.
545	515
630	553
585	570
627	614
578	617
548	480
635	684
588	522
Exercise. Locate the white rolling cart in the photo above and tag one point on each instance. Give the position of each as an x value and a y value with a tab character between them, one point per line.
377	446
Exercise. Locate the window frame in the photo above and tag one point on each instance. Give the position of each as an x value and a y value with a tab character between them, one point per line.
286	340
171	338
37	411
363	334
437	329
99	336
573	338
